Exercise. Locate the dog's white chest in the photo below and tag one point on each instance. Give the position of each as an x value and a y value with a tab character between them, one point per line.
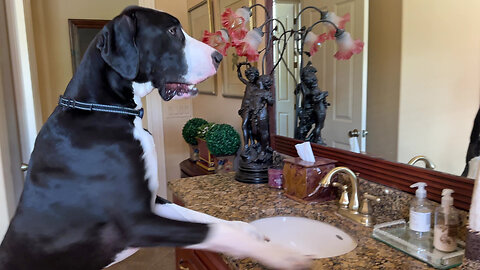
146	140
149	156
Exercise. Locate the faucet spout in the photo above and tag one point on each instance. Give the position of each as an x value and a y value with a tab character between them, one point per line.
327	179
428	163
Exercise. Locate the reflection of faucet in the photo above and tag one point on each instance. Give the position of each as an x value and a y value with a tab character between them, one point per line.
428	163
362	215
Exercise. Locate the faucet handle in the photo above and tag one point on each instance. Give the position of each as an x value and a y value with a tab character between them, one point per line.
366	207
344	201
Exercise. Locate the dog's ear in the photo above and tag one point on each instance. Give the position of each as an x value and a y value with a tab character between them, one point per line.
117	46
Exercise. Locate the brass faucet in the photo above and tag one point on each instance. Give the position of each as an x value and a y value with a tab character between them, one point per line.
352	211
428	163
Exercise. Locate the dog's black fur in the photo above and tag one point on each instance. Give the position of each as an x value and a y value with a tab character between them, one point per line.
85	197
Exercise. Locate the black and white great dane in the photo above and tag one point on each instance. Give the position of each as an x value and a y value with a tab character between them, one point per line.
90	193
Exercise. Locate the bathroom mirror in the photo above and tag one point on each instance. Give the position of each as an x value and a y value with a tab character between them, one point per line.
415	88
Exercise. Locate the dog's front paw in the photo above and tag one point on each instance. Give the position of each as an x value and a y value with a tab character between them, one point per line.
280	257
249	229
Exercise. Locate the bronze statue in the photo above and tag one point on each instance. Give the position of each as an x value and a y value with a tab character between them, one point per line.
261	99
256	155
252	74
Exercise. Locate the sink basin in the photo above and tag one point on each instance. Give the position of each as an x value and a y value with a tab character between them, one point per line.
307	236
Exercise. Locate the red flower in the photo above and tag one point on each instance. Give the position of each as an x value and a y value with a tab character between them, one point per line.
338	21
249	45
235	22
314	41
347	46
218	40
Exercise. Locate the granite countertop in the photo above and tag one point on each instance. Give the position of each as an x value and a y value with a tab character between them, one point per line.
221	196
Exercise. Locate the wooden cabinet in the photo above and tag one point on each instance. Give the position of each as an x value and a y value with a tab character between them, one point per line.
192	259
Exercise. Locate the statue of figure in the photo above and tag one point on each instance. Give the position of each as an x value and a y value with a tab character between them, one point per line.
261	98
311	106
256	156
317	100
252	74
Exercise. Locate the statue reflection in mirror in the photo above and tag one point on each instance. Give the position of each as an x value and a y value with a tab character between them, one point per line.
311	106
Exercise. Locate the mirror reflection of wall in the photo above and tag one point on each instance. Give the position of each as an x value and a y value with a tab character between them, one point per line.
421	90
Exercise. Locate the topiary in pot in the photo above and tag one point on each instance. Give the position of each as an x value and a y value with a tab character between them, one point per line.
223	140
191	128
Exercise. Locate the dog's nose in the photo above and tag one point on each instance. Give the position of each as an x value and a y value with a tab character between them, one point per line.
216	58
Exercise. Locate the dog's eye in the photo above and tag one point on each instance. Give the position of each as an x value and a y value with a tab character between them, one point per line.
173	31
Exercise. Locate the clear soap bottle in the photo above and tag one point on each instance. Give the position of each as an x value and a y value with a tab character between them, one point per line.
446	224
420	213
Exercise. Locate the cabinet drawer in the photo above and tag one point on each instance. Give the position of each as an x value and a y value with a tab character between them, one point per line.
186	259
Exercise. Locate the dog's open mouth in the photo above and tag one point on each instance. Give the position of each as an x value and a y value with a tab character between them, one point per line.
180	90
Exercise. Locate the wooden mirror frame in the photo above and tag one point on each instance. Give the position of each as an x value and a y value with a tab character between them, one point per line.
393	174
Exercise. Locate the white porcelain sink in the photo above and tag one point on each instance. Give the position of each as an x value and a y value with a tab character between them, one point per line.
307	236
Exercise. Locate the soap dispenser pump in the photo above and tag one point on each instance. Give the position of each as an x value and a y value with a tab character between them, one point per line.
420	211
446	224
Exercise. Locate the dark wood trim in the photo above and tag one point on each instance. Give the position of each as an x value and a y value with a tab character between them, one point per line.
392	174
87	23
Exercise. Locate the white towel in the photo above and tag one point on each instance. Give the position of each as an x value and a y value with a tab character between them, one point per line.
354	146
473	166
474	218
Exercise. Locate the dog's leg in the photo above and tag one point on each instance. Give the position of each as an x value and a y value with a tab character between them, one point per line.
223	237
166	209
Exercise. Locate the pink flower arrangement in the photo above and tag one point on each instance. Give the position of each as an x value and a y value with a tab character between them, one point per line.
314	41
338	21
236	35
218	40
235	22
347	46
249	45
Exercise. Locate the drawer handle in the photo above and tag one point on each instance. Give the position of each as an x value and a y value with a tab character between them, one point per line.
180	262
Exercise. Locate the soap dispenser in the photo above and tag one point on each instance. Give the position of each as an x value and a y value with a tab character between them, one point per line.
446	224
420	212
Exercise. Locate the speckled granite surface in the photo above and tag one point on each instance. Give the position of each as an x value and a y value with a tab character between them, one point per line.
221	196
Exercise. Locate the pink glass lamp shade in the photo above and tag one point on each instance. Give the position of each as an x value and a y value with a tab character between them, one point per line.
235	22
249	45
218	40
338	21
347	46
314	41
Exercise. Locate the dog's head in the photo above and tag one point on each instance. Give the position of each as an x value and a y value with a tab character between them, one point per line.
150	46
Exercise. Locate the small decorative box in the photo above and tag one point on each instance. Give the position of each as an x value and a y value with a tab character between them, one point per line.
302	177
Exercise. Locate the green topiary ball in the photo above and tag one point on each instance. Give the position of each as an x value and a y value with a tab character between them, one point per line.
190	130
223	140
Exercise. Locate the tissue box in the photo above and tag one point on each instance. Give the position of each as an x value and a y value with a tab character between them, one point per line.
302	177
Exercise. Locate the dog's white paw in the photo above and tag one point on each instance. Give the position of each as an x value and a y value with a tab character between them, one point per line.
280	257
249	229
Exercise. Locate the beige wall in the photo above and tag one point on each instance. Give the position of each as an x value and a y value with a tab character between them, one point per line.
53	43
439	87
385	17
424	67
175	112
